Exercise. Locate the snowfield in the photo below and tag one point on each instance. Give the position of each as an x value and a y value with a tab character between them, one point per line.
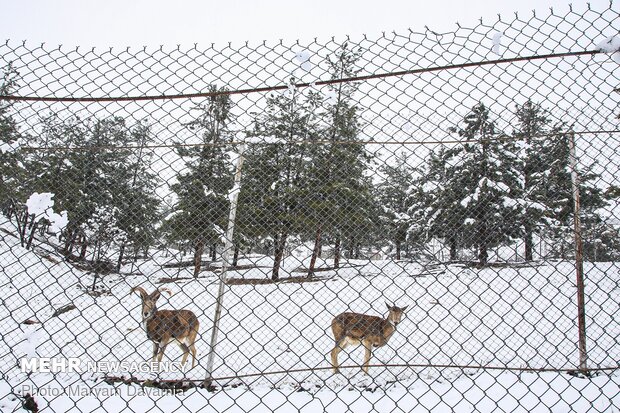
518	317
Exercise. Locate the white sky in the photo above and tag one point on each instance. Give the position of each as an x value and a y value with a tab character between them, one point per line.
122	23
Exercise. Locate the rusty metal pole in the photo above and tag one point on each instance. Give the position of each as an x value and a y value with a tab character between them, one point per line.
228	247
581	310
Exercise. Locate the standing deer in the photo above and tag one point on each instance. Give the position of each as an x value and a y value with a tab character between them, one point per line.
354	328
165	326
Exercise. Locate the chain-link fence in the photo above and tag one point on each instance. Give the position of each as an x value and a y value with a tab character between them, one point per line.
251	210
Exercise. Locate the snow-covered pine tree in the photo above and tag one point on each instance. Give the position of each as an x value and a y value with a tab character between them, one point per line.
12	169
138	204
200	213
392	194
82	180
554	190
487	170
434	202
343	189
275	185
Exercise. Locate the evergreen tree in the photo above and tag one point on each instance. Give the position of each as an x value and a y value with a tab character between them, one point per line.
101	172
200	214
487	169
12	171
556	193
393	194
274	198
532	122
343	190
434	201
136	200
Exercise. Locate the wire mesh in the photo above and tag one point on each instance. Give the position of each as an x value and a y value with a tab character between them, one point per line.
260	205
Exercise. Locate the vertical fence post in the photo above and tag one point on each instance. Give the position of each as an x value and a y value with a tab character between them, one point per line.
228	247
581	310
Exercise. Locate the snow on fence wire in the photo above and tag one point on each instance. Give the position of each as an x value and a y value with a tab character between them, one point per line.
260	205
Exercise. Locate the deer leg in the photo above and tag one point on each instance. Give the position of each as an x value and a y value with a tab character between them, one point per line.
339	346
162	348
185	350
368	346
155	349
193	349
191	342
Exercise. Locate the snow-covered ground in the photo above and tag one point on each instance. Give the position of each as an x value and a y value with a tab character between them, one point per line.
519	317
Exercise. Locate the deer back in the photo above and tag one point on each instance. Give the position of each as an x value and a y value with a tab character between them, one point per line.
362	327
171	324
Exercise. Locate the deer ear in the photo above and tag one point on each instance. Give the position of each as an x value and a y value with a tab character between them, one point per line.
388	306
405	307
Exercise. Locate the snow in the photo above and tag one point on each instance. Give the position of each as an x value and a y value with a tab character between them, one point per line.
610	45
290	91
484	184
173	214
497	42
6	147
39	204
303	58
57	221
331	97
208	192
514	317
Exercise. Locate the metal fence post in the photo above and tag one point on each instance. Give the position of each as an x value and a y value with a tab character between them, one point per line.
581	310
228	247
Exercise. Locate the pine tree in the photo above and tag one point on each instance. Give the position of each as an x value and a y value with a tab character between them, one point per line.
103	173
434	201
486	167
393	194
532	122
555	191
343	190
12	171
200	213
136	200
276	174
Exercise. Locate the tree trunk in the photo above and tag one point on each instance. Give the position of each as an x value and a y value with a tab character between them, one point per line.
213	252
529	245
280	243
200	247
483	253
22	235
69	242
95	276
397	250
235	259
315	251
83	249
121	254
31	236
337	252
453	249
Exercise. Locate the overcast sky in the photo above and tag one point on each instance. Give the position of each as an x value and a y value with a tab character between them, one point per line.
167	22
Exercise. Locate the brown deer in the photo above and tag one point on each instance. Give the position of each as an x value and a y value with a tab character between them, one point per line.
165	326
354	328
